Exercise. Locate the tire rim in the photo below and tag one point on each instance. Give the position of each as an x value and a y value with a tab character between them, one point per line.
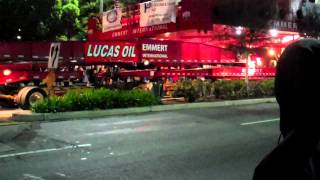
34	97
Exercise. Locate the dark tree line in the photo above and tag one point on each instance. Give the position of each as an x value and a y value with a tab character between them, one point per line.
67	19
48	19
248	13
28	18
309	18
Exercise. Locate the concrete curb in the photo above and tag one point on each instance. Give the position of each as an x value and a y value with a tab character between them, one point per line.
23	117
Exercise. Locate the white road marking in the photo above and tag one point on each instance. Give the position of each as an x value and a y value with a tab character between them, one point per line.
117	131
124	131
44	150
60	174
32	177
130	122
83	145
260	122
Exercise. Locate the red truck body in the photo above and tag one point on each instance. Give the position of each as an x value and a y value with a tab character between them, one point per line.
27	61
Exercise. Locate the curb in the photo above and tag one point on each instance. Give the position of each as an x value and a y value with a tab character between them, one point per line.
29	117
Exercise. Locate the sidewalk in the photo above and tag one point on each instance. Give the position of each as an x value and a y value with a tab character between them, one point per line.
27	116
6	115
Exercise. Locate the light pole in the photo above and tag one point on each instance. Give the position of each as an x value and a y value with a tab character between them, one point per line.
248	59
101	6
241	35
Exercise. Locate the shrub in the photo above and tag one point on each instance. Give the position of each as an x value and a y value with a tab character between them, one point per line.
188	89
255	89
236	89
40	106
90	99
209	88
229	89
268	87
263	88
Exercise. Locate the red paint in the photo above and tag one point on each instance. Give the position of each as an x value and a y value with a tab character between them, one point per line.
184	52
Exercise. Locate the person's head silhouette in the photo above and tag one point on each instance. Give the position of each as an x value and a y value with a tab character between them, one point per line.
296	89
296	85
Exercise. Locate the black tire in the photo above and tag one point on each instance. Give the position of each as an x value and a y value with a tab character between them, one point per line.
29	95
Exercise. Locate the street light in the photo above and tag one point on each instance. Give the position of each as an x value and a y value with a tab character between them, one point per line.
167	34
259	62
272	52
146	62
274	32
239	30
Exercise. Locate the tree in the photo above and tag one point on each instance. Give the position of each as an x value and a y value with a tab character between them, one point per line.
49	19
70	18
309	19
54	21
89	8
254	14
26	19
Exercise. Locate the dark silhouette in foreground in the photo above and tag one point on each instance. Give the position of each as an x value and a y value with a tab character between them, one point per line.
298	96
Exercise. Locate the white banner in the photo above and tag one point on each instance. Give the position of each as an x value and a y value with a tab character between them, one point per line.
111	20
156	12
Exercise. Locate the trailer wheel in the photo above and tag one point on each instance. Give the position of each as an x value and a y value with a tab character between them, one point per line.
18	99
30	95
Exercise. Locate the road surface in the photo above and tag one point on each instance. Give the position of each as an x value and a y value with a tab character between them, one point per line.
215	143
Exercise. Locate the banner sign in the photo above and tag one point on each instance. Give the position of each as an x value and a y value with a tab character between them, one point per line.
130	32
111	20
97	52
156	12
141	31
154	50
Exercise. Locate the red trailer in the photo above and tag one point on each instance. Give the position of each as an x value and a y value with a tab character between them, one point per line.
192	47
24	65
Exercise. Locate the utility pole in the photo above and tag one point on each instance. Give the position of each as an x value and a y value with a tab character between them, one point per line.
248	59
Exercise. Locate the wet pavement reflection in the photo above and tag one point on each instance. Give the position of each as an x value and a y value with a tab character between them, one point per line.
25	136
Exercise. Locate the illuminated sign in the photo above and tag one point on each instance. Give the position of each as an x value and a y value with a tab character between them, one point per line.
284	25
110	51
156	51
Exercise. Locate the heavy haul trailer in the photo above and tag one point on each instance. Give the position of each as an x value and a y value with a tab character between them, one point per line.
24	66
193	47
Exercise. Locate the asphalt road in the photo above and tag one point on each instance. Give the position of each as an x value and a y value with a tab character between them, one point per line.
214	144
